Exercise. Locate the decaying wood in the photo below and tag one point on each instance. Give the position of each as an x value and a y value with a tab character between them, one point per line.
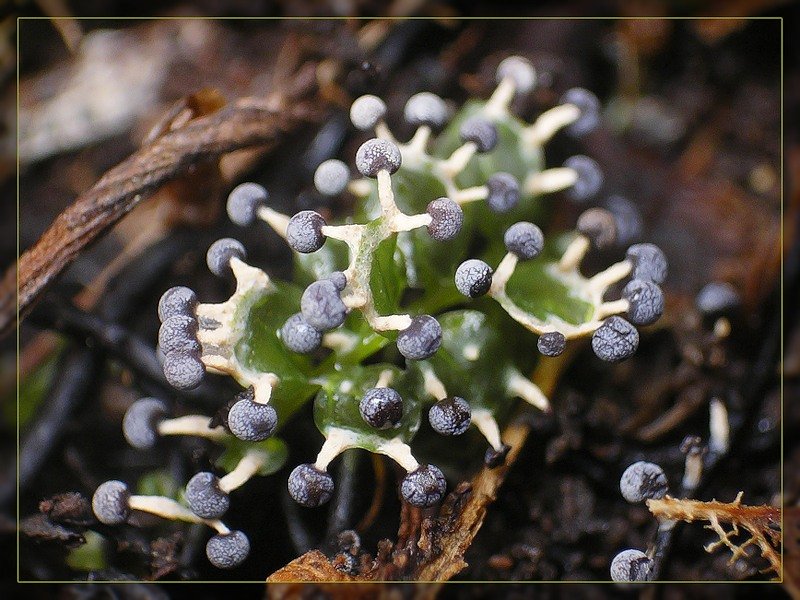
244	123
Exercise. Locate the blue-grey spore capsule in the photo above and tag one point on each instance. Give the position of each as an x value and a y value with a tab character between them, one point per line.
252	421
321	305
504	192
244	202
205	497
178	333
183	369
304	231
338	279
331	177
649	263
446	219
221	253
631	565
645	301
381	408
642	481
377	155
298	336
178	300
366	111
599	225
473	278
110	502
140	423
520	70
717	298
480	131
589	107
590	178
228	550
450	416
426	108
552	343
309	486
615	340
421	339
628	218
524	239
424	487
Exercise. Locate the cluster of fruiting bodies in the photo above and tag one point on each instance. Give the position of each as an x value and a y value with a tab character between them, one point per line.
423	205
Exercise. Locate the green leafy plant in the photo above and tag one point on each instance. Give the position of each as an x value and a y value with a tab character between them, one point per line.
385	321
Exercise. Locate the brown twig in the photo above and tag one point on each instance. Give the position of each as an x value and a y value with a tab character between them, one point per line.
244	123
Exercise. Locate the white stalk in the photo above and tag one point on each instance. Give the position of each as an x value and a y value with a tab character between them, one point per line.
196	425
487	425
615	307
480	192
418	143
574	254
400	452
613	274
720	427
548	123
337	441
169	509
433	385
550	180
385	378
519	385
278	221
458	160
248	466
403	222
503	273
497	105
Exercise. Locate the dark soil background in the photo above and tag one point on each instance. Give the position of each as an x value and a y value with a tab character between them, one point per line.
693	136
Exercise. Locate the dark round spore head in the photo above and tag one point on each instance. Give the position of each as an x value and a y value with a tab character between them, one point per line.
589	106
321	305
139	426
649	263
110	502
298	336
599	225
366	111
480	131
244	201
473	278
717	298
520	70
524	239
646	301
421	339
331	177
642	481
615	340
178	300
183	369
590	178
503	193
221	253
381	408
628	218
309	486
450	416
338	279
631	565
178	333
228	550
426	108
377	155
304	231
252	421
446	219
424	487
204	496
552	343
